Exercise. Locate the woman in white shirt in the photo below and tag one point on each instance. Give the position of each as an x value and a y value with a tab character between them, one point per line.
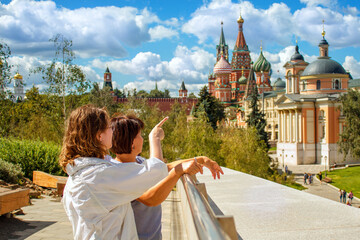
127	145
98	192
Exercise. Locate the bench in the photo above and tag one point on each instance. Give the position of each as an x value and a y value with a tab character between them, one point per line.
327	180
43	179
11	200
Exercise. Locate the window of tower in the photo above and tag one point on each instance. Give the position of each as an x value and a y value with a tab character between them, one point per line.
318	85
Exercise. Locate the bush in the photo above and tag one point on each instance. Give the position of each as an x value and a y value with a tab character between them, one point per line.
10	173
31	155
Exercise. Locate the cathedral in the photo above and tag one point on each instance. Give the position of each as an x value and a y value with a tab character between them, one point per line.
303	113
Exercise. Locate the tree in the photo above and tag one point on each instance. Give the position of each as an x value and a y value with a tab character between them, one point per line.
62	75
349	141
5	68
256	118
102	98
192	95
211	106
119	93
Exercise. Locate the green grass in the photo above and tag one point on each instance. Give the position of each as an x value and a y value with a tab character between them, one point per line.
295	185
348	179
272	149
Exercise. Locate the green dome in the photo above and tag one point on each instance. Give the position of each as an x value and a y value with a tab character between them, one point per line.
279	84
242	80
262	64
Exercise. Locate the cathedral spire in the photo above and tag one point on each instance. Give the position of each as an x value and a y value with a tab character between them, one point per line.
240	41
222	48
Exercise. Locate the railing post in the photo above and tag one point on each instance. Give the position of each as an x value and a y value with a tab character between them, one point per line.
227	224
202	189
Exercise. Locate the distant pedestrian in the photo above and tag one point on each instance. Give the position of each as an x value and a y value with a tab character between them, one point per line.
286	170
310	178
340	194
348	202
351	196
320	177
305	178
344	196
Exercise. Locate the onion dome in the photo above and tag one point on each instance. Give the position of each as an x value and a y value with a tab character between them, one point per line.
222	66
297	56
262	64
18	76
242	80
279	84
240	20
324	66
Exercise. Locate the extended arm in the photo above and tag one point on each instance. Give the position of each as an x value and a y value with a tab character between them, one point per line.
158	193
156	135
205	161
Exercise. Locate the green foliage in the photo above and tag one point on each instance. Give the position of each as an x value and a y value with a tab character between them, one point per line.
5	68
62	76
349	141
102	98
9	172
248	154
192	95
256	118
31	155
209	105
38	117
119	93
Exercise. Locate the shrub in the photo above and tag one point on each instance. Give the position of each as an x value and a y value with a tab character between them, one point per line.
9	172
31	155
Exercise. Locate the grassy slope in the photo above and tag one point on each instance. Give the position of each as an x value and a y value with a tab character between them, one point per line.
348	179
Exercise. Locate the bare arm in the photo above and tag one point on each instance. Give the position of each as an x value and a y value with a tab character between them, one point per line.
205	161
158	193
156	135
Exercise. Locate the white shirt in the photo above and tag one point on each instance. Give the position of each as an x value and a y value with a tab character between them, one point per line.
98	193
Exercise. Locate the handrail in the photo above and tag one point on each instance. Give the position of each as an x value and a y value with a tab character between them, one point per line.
206	224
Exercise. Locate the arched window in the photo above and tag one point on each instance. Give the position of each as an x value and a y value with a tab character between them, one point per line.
336	84
304	85
318	85
289	80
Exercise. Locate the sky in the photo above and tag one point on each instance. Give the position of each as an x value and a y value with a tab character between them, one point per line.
143	41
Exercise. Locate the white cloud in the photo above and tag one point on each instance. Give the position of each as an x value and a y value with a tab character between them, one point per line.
352	66
275	25
272	24
326	3
190	65
99	31
26	65
160	32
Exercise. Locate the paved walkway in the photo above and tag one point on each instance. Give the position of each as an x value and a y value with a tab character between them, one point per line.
323	190
46	219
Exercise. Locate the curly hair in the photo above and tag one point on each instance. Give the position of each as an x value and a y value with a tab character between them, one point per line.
125	128
80	139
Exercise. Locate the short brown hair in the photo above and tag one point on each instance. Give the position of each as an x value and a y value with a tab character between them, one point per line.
125	128
80	139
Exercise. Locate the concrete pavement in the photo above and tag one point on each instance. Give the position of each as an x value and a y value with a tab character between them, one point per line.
266	210
46	219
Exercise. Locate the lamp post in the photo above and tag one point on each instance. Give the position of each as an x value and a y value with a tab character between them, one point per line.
325	164
283	162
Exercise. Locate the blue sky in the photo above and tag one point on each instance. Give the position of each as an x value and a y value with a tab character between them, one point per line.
170	41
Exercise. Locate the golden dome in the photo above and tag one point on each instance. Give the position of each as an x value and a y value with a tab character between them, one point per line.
240	20
18	76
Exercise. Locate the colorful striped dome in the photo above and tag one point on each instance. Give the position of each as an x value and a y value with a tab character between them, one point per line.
222	66
262	64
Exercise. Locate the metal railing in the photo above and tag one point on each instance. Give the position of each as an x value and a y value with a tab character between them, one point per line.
200	219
